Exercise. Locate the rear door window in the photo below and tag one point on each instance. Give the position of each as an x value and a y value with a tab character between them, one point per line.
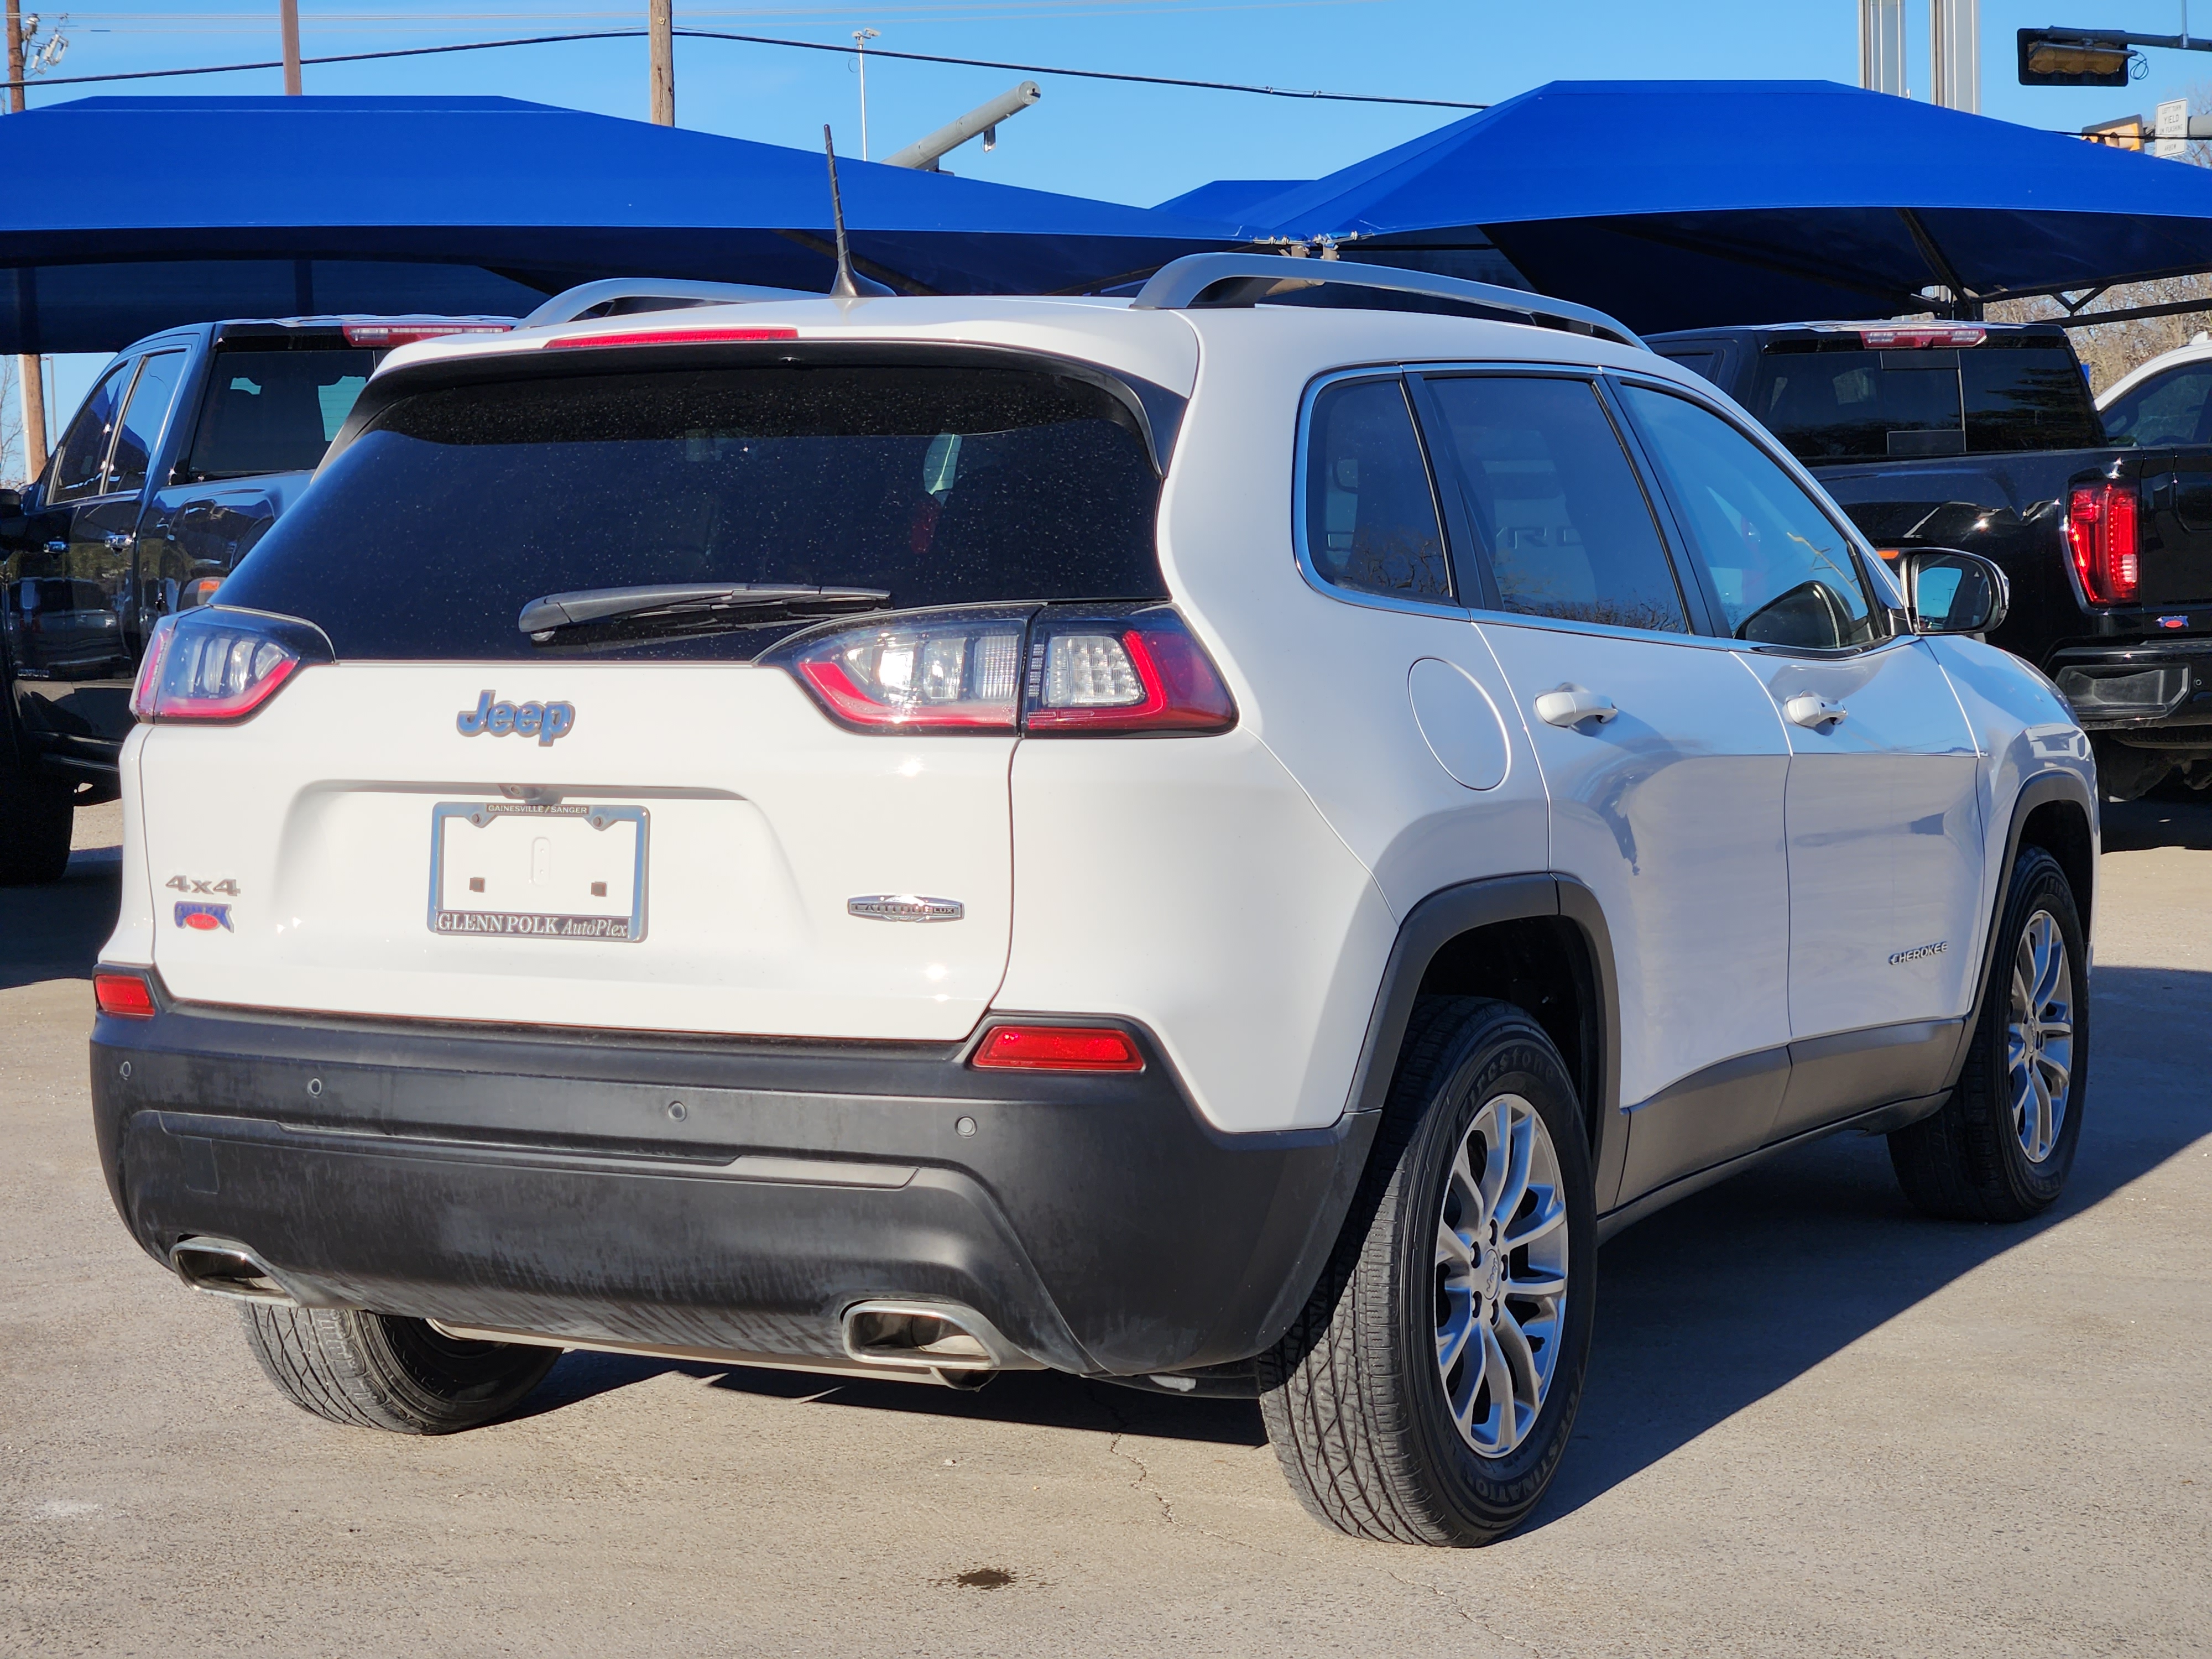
1555	503
144	418
1780	569
939	485
2166	409
1371	523
274	410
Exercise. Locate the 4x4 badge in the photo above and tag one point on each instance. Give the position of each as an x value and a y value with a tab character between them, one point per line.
545	722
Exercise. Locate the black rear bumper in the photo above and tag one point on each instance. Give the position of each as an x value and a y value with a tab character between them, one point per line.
2159	692
552	1181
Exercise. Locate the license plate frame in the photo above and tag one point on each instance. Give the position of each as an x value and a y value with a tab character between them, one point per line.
606	924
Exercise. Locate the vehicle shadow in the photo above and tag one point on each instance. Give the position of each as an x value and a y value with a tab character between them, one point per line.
1044	1400
1703	1310
2163	820
56	932
1712	1305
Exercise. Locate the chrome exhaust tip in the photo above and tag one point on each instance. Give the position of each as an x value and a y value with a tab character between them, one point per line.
223	1266
944	1337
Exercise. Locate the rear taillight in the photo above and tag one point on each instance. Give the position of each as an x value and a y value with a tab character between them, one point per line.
1139	673
642	337
942	673
1058	1048
213	664
126	996
2100	530
1053	675
1912	339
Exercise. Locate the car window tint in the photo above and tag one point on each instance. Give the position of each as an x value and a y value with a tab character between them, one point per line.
2166	409
1781	570
938	484
1556	503
2026	398
1861	405
143	416
83	458
1371	521
275	411
1706	362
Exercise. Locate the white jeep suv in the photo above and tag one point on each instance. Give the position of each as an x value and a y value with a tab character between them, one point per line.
1219	841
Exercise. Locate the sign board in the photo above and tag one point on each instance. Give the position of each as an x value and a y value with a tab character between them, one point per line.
2173	141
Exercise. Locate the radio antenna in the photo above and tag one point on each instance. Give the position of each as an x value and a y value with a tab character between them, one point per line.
844	288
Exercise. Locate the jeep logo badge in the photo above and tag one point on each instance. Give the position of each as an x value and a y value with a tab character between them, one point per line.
545	721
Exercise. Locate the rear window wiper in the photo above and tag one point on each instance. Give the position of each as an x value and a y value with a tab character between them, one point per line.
692	607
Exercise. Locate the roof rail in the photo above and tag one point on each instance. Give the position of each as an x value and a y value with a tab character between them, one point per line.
672	295
1202	281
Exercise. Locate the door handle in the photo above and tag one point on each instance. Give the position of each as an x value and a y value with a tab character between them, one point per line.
1571	705
1806	709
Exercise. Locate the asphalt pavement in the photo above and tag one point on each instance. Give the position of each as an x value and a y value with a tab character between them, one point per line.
1816	1424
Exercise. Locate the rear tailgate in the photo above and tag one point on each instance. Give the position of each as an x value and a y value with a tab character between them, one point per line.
2176	570
638	819
310	859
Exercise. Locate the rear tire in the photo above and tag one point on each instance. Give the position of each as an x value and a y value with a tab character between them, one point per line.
1383	1426
2001	1147
37	815
379	1371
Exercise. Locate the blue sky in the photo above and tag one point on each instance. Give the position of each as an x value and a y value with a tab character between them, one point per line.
1122	143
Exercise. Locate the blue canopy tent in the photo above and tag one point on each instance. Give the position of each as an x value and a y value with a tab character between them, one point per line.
162	210
1677	204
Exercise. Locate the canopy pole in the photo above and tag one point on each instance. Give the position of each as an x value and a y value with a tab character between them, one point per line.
30	376
1966	305
661	28
288	19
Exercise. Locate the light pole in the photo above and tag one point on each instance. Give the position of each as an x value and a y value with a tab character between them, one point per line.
860	38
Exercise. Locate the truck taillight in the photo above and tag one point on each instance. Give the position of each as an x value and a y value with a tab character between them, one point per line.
1060	673
2100	530
216	664
385	336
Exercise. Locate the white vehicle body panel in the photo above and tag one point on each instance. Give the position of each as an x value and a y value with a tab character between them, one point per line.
1238	894
765	819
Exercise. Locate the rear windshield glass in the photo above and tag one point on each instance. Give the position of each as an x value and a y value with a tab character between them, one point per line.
275	411
939	485
1829	405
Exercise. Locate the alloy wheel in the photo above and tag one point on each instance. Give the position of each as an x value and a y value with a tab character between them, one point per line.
2039	1037
1501	1275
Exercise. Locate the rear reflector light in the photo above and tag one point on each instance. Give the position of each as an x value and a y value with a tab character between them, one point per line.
214	664
2100	530
384	335
126	996
643	337
1058	1048
1915	340
1054	675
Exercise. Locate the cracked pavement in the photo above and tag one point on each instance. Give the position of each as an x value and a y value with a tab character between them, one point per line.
1815	1422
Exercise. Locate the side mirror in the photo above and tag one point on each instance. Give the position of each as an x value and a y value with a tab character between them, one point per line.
1947	592
11	503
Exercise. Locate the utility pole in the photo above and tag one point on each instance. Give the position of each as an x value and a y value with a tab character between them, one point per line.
860	38
29	371
660	30
288	11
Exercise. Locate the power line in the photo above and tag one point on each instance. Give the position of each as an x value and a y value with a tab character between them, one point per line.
755	40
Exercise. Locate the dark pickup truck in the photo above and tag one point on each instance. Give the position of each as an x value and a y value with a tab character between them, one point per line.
1983	436
190	445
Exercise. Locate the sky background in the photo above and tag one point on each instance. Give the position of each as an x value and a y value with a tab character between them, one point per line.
1121	142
